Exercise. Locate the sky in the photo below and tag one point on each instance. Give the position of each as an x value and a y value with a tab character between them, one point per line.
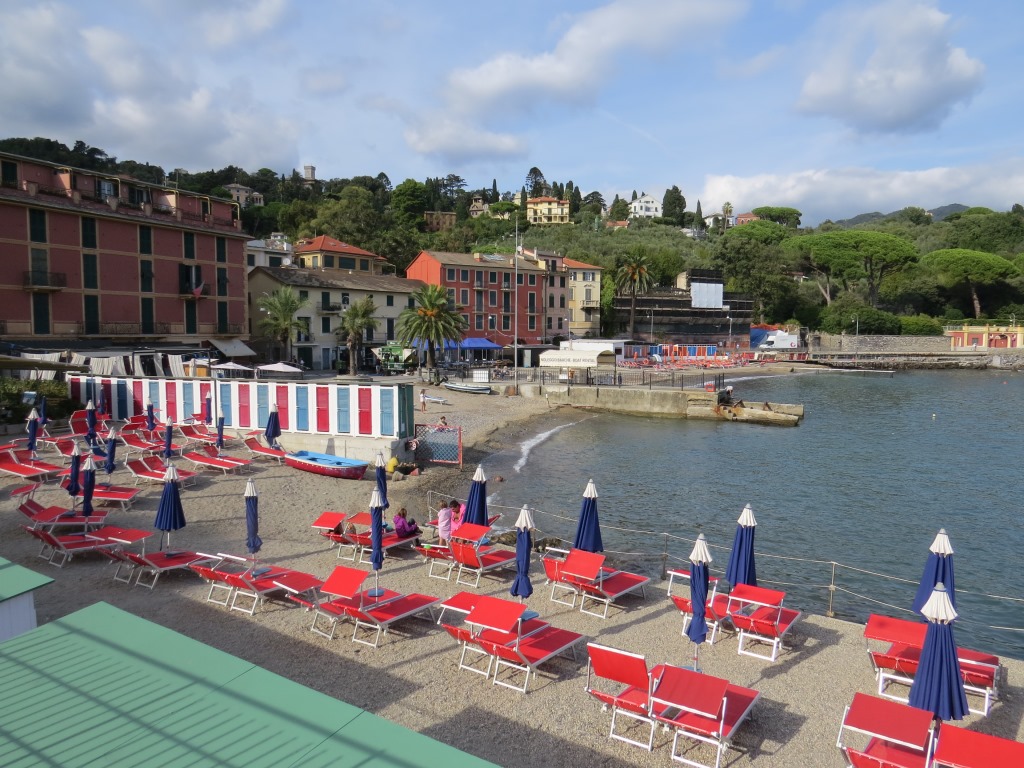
834	108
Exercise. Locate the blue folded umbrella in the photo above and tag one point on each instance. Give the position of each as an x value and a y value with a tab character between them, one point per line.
253	542
381	474
170	516
521	585
588	528
476	504
741	568
937	569
938	685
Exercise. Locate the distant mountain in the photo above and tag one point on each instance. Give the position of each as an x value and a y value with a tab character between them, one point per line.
938	214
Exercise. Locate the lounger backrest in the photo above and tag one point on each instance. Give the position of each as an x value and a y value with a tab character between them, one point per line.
684	604
583	564
30	507
465	554
552	568
460	634
619	666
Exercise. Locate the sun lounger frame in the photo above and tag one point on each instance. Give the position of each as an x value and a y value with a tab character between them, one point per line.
633	700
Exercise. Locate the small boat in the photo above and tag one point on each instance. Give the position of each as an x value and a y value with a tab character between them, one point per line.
473	389
327	464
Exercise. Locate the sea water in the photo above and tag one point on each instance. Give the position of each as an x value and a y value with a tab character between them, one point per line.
879	464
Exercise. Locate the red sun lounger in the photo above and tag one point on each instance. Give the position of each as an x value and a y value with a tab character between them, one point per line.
344	587
151	566
379	618
892	735
630	679
897	663
21	464
58	550
114	494
700	708
586	572
477	562
960	748
135	443
260	451
435	555
530	653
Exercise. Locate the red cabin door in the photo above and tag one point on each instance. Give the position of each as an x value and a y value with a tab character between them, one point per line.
243	406
365	411
323	410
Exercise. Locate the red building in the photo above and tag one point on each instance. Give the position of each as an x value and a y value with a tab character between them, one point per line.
93	258
486	287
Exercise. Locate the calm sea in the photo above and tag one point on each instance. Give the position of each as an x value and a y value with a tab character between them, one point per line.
878	466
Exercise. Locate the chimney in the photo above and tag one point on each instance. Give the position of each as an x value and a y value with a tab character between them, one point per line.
477	257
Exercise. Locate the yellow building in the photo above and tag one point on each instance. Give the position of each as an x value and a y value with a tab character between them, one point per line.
584	298
547	210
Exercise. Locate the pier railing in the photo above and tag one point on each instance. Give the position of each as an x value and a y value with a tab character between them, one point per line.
827	587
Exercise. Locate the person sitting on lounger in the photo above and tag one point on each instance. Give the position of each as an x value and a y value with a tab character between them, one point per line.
404	527
457	510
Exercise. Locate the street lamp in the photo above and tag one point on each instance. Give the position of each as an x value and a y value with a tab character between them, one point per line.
730	331
856	319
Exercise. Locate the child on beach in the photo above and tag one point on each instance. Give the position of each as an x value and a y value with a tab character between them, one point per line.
404	527
444	524
423	400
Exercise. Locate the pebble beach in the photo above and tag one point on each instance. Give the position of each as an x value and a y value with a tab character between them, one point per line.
413	677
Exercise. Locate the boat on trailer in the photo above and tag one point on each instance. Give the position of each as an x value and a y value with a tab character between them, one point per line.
327	464
473	389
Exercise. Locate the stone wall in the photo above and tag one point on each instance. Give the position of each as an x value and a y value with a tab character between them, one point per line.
881	345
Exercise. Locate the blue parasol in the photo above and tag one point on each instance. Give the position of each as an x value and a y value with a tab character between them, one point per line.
273	430
476	504
90	423
150	418
168	438
169	514
209	408
42	411
382	480
588	529
376	537
521	586
220	434
742	569
109	464
73	484
88	484
697	629
33	431
253	542
938	569
101	400
938	685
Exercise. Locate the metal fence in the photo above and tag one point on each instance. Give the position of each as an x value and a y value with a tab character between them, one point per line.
438	444
826	587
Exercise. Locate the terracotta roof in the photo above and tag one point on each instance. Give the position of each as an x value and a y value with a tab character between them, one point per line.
493	261
545	200
323	243
580	264
338	279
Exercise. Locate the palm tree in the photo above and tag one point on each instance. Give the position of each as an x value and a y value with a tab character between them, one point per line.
279	321
726	215
633	277
358	319
432	320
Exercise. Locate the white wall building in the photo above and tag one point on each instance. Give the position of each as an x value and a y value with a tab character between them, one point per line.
645	207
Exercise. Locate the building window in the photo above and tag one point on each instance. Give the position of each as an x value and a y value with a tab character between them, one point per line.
250	259
465	320
561	281
191	317
506	322
328	261
189	245
463	276
412	303
344	299
8	173
551	300
91	305
492	322
90	275
533	279
222	250
222	317
492	298
391	329
571	291
390	300
364	266
303	295
463	296
325	324
345	262
315	263
146	276
519	279
273	261
492	277
479	322
36	225
561	301
559	323
222	281
532	325
146	315
550	322
450	275
88	232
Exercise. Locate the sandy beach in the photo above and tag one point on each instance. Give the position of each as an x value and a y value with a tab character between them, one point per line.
413	678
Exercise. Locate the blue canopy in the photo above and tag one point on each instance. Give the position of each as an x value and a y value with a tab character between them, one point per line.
170	516
476	504
253	542
938	569
474	343
588	529
742	569
938	685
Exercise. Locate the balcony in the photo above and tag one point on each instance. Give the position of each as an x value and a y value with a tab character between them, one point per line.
228	329
38	281
304	338
124	329
190	293
326	309
589	303
506	286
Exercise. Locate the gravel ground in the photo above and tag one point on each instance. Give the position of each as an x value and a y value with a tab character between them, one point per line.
413	678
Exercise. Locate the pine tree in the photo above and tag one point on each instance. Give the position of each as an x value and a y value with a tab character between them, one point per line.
495	197
698	218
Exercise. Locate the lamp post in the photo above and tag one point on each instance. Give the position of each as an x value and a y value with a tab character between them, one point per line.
730	331
651	313
856	320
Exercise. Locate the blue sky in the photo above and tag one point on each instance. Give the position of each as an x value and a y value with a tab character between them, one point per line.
835	108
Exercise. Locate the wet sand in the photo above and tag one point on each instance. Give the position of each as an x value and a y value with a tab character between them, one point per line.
413	678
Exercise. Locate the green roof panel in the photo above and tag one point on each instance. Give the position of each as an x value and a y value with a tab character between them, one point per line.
16	580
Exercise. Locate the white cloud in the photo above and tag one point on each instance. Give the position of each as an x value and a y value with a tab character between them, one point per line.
227	23
578	64
889	68
459	141
754	65
323	81
845	192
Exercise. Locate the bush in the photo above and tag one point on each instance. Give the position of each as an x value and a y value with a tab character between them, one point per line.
13	411
920	325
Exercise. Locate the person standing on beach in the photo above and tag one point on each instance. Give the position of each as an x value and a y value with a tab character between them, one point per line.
423	400
444	524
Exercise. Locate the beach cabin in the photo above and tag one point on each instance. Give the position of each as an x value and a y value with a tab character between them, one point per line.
17	600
